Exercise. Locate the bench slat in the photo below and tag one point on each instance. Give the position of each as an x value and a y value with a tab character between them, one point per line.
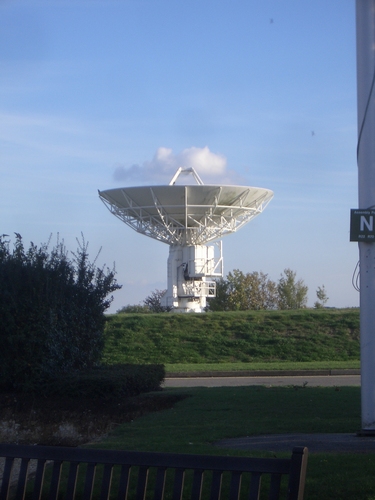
124	483
106	481
160	483
39	475
235	486
297	475
22	478
72	481
216	484
142	483
55	480
178	484
196	490
255	483
6	477
89	481
275	487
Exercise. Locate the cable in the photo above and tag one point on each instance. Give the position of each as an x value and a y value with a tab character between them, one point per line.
355	277
365	114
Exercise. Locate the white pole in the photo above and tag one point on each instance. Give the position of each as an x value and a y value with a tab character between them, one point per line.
365	28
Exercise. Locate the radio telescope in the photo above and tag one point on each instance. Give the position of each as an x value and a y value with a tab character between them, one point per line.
188	218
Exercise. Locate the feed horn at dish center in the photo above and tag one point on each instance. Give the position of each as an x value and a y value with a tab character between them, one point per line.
192	220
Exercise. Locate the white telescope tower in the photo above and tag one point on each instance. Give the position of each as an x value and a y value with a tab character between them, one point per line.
191	219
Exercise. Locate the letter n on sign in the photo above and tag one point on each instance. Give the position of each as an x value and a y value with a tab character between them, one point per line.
362	226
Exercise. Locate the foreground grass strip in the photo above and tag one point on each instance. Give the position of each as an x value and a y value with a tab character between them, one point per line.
265	366
209	414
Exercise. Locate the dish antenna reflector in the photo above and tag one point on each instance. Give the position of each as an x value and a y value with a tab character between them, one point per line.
187	218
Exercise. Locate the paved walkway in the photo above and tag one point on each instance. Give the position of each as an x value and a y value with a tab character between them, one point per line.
316	443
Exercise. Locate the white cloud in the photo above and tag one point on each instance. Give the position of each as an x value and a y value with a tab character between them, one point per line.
209	165
204	161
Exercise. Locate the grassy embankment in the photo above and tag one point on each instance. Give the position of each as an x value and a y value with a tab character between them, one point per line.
256	340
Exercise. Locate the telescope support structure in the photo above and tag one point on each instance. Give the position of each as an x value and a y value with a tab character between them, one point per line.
191	270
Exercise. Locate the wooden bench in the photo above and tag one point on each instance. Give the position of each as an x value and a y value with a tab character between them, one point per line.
69	473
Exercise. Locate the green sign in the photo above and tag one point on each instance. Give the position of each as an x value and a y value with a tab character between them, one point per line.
362	225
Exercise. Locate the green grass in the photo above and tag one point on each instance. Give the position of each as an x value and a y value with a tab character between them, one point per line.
209	414
250	340
305	335
280	365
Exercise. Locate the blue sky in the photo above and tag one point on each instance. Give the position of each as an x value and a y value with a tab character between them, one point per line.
90	91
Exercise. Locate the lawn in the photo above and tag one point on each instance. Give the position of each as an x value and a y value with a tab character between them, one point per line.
206	415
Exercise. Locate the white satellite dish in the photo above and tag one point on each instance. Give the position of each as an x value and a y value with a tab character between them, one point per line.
187	218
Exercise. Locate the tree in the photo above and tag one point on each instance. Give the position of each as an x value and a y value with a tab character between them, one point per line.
51	312
240	292
153	302
220	301
251	291
322	297
292	294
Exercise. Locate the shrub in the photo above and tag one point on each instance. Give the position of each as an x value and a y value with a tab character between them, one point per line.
51	312
108	382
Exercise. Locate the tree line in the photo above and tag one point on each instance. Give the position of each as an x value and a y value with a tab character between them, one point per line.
240	291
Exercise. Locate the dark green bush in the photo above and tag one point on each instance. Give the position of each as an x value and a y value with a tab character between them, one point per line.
51	312
108	382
